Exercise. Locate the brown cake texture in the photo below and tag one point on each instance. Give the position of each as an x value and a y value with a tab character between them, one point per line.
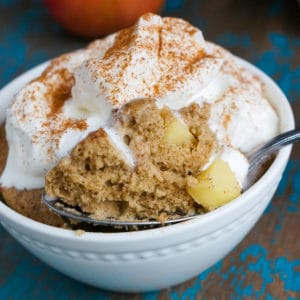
25	202
98	178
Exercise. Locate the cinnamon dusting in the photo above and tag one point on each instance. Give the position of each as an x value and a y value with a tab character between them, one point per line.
57	95
165	48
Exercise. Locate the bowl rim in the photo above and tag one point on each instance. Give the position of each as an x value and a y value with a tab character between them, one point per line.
118	237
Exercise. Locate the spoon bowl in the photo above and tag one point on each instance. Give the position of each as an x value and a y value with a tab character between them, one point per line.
75	214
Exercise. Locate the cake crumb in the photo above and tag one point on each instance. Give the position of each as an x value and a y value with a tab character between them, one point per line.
79	232
155	187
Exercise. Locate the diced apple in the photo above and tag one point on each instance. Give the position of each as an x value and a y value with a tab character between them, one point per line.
216	186
177	133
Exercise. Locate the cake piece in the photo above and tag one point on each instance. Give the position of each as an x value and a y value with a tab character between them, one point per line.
134	169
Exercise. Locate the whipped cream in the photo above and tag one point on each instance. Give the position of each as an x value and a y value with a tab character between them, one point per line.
38	134
117	140
237	162
162	58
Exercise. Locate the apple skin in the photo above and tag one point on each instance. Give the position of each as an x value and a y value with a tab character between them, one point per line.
95	18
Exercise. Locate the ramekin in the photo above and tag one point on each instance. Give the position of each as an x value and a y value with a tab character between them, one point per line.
156	258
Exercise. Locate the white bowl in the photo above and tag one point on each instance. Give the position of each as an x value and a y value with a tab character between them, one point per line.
157	258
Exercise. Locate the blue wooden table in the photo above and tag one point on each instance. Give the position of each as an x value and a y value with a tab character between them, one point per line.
266	265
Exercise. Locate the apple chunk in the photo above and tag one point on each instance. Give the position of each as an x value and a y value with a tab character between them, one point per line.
177	133
216	186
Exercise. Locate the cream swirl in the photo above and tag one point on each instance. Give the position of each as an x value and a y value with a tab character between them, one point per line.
162	58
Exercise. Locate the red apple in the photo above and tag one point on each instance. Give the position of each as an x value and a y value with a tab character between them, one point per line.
94	18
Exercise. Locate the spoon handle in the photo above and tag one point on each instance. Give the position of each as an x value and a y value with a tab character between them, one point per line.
278	142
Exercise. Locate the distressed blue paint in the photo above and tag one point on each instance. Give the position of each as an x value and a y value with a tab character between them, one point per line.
233	40
284	180
282	44
248	290
278	63
294	197
255	260
293	203
12	62
14	38
267	268
266	62
191	292
278	227
292	167
262	267
174	4
288	273
274	210
24	271
150	295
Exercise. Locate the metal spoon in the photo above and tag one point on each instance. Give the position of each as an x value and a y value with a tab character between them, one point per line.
256	158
